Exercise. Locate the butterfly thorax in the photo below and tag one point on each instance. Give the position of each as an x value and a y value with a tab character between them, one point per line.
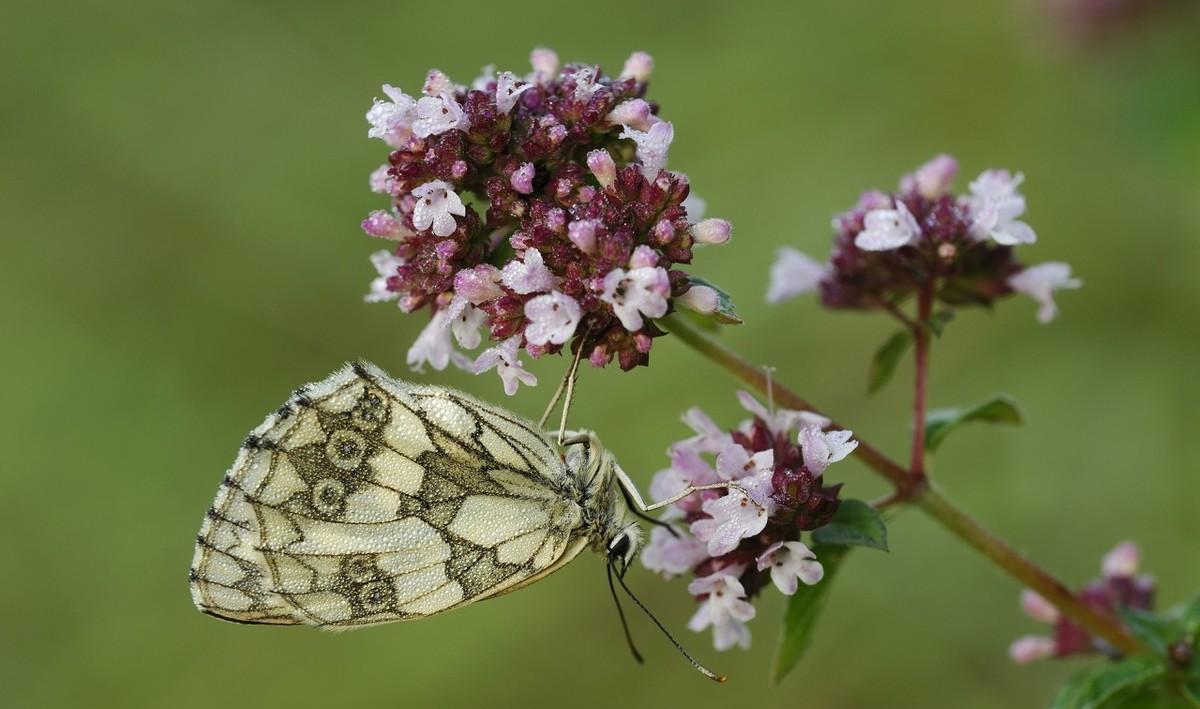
606	515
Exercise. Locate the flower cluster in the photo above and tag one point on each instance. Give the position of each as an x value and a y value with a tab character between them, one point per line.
738	539
1119	587
892	245
537	207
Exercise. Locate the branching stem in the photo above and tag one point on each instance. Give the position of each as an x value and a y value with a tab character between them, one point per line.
917	491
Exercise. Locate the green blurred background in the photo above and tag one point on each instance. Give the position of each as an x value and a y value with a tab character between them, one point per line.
182	185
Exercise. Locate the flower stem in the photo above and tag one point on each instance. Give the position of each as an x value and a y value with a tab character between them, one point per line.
917	491
920	333
756	377
963	526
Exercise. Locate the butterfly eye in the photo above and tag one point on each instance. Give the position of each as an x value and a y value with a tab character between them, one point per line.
619	547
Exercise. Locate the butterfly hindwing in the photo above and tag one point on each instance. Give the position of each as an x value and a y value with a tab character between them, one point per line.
367	500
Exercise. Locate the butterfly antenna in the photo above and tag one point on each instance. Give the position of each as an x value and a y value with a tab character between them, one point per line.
570	380
621	613
695	663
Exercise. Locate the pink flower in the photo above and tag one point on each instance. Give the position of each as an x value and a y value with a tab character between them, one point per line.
505	360
821	448
582	233
726	610
522	178
672	555
1039	282
712	231
933	179
743	511
887	229
507	91
793	273
600	162
791	562
392	120
638	67
637	292
781	420
437	114
995	205
701	299
1122	561
634	113
437	83
385	226
432	346
436	205
552	318
465	324
478	284
530	275
1031	648
1038	608
382	182
545	65
652	146
386	263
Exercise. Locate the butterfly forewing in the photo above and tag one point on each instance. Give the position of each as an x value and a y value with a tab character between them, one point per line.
367	500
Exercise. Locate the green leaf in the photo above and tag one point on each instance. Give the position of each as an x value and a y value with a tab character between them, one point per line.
803	609
938	321
856	523
939	423
1191	693
1157	633
1106	686
1189	616
883	365
725	314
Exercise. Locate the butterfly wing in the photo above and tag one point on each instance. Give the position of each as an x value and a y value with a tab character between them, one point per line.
366	500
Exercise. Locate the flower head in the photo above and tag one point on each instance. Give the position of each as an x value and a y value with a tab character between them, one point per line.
514	189
749	530
1119	588
891	246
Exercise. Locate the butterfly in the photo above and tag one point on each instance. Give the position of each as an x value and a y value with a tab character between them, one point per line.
366	500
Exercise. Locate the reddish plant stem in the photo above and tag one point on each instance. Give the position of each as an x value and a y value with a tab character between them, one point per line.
920	332
919	493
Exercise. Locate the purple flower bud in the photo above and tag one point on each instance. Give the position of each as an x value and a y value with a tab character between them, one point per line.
383	225
602	166
633	113
664	232
933	179
478	284
712	231
638	67
643	257
522	178
459	169
582	233
556	220
702	299
545	65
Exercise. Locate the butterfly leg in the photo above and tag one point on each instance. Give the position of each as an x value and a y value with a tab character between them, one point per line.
628	485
